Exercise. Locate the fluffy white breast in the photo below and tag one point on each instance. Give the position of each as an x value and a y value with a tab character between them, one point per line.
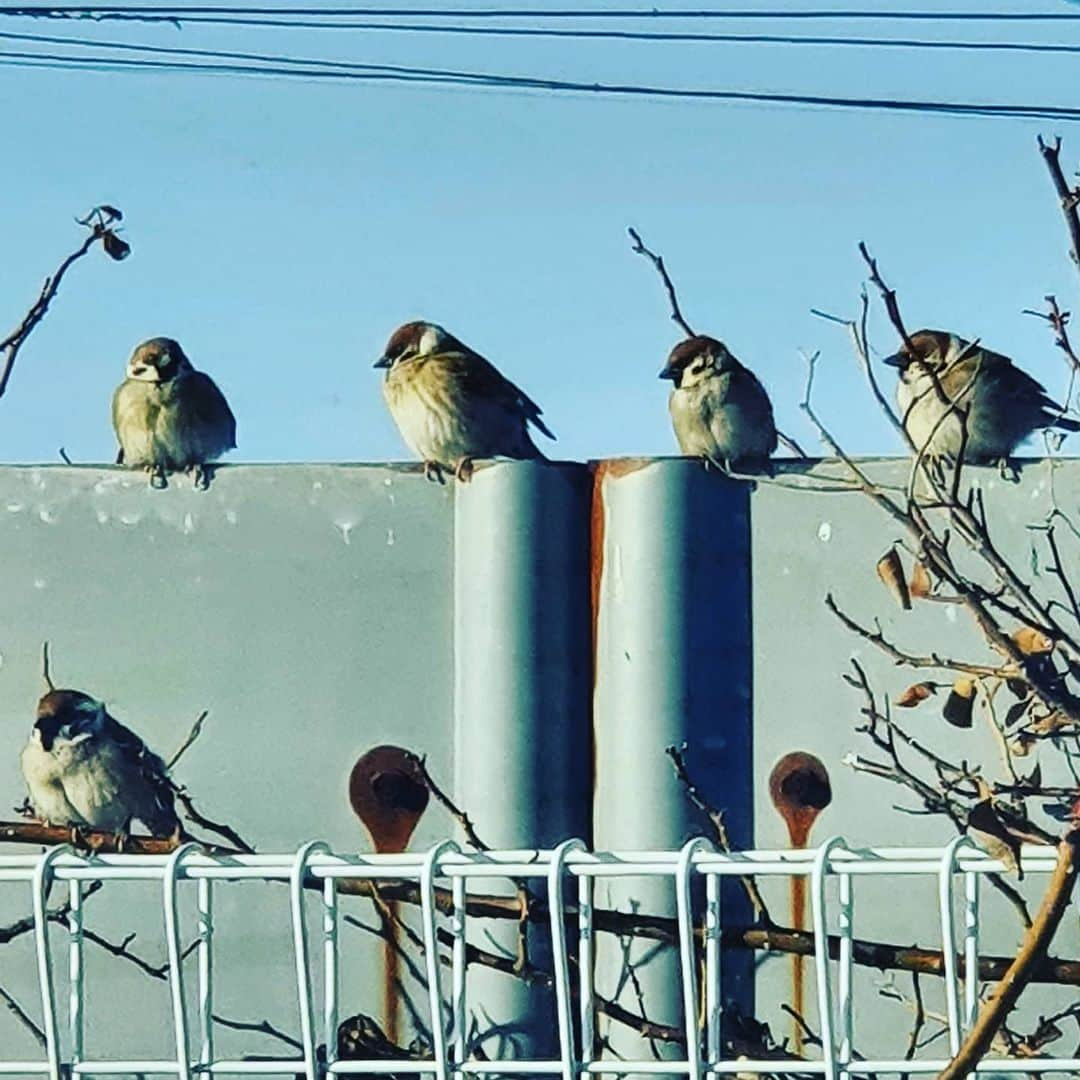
434	426
921	411
135	405
43	775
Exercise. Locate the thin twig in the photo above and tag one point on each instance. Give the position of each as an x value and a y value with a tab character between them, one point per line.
888	295
192	735
99	223
810	1036
262	1027
20	1014
657	260
1069	197
227	832
459	815
677	754
45	673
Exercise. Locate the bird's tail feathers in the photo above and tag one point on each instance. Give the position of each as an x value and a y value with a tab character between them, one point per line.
544	428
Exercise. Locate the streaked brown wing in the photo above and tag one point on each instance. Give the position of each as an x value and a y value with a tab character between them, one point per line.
482	378
203	405
150	766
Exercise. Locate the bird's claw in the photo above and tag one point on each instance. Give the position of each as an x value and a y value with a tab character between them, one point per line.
434	471
465	469
157	477
200	477
1008	471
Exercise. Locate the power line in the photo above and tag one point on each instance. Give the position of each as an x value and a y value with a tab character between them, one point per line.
703	37
181	13
278	67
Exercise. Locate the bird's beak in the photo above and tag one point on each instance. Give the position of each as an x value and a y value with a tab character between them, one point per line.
669	373
384	362
897	360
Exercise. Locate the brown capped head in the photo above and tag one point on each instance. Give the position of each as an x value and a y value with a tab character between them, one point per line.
63	713
415	339
934	348
157	361
695	358
387	792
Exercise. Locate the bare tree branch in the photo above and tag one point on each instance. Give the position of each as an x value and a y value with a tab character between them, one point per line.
1032	951
1069	197
716	819
459	815
192	735
658	261
100	223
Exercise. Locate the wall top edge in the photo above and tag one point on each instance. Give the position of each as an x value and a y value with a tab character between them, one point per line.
785	465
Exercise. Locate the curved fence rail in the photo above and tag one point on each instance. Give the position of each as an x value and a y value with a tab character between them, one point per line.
566	875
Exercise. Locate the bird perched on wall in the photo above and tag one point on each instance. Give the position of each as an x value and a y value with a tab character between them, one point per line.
169	417
1003	404
453	406
719	410
85	769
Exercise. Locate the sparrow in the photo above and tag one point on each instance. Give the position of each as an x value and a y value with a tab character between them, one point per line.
719	410
1003	404
451	405
168	417
85	769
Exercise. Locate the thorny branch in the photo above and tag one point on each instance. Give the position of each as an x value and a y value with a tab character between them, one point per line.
101	223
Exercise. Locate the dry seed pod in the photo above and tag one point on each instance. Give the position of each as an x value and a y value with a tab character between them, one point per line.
920	584
115	248
914	695
1032	642
1021	745
1047	725
891	571
960	702
986	828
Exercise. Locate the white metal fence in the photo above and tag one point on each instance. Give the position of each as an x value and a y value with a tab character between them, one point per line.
568	873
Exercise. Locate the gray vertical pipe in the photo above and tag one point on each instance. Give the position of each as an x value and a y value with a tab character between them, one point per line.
673	665
522	683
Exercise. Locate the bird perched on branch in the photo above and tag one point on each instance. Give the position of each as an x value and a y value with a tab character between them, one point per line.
719	410
453	406
954	394
169	417
85	769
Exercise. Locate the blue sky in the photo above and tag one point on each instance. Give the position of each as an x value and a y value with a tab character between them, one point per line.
282	228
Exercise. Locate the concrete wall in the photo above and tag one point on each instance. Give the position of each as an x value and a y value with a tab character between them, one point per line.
541	634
